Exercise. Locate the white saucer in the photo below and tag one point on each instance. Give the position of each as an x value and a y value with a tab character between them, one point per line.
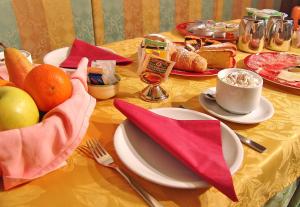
149	160
263	112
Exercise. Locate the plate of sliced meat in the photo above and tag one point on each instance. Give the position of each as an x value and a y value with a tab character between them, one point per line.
277	67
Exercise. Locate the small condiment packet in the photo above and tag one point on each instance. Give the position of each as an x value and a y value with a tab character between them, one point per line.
157	66
154	44
192	43
95	79
95	70
160	53
106	68
158	48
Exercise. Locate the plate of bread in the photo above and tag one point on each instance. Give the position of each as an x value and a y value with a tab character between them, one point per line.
196	57
280	68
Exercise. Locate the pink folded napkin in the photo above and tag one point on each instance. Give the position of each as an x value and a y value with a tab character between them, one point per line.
30	152
196	143
82	49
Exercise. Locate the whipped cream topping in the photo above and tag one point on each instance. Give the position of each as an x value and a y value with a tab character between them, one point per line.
241	79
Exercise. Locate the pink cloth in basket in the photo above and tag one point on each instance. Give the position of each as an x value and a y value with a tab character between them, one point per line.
30	152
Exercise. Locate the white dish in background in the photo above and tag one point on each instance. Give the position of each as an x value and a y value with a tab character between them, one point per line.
149	160
263	112
56	57
2	62
24	52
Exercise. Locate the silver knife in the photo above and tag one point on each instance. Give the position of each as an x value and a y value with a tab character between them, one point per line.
250	143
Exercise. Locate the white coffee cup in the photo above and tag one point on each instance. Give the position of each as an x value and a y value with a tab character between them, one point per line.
236	98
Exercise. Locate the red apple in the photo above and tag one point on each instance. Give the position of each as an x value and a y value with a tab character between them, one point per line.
17	108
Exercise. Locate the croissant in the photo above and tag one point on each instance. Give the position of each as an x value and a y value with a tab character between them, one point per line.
188	61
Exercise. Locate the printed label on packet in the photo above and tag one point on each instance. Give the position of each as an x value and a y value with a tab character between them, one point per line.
154	44
157	66
160	53
95	79
148	46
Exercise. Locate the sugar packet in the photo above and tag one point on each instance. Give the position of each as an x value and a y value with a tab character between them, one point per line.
106	68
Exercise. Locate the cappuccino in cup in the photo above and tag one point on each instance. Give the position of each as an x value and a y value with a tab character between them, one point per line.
238	90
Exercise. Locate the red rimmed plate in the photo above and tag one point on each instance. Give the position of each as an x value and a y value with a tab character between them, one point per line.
269	64
207	73
182	29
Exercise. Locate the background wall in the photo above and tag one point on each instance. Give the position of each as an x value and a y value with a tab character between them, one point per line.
40	26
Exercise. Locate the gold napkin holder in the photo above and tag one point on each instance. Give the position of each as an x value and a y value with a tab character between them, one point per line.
153	71
153	92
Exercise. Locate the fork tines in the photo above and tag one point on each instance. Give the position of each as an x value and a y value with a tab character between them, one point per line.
96	148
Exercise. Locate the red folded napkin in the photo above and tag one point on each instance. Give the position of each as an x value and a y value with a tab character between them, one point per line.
82	49
196	143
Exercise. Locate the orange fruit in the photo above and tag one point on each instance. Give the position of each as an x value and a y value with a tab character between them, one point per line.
48	85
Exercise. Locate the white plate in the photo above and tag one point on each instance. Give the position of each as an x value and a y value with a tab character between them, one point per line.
56	57
2	62
263	112
146	158
24	52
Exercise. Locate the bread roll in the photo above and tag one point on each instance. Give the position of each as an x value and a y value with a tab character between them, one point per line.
188	61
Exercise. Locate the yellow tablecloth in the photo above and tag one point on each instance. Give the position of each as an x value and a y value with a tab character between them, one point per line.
82	182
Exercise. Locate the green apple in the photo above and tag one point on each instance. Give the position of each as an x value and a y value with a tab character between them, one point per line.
17	108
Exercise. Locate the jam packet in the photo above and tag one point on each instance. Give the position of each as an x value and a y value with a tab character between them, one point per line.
154	44
192	43
154	47
157	48
155	69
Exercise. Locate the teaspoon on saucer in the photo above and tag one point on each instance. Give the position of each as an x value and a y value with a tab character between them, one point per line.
210	96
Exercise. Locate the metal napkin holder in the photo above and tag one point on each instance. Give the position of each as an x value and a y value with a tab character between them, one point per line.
153	92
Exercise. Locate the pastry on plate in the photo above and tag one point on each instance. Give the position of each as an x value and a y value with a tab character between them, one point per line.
188	61
219	56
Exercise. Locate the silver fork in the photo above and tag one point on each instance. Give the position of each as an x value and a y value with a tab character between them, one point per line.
105	159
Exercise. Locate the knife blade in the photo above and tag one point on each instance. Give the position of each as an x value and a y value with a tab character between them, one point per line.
250	143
